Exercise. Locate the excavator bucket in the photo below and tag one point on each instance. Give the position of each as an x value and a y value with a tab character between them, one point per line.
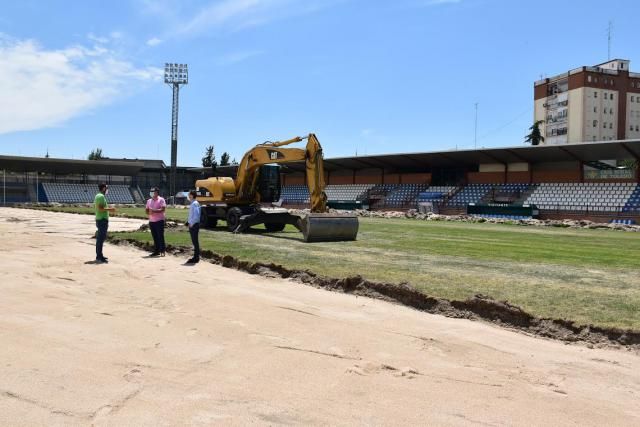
326	227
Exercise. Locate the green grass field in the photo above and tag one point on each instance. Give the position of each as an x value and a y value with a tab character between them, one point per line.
589	276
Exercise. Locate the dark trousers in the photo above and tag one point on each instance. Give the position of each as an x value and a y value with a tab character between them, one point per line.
157	232
193	231
101	236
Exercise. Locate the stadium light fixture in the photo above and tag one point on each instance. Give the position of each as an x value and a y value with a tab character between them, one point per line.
175	75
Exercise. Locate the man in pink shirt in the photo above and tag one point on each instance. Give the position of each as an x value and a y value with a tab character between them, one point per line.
155	209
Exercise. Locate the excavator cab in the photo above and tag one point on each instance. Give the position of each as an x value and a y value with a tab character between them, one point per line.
269	183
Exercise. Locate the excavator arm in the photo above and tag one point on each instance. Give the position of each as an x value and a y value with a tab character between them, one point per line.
274	153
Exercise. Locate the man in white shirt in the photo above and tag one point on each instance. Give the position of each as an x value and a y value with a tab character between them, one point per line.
194	226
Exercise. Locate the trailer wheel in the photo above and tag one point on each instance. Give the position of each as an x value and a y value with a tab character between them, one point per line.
233	218
274	226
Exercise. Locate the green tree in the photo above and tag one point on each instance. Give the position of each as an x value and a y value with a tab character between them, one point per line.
95	154
209	159
224	159
535	137
234	162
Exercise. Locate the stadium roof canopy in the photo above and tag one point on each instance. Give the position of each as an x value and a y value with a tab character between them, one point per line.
148	163
70	166
584	152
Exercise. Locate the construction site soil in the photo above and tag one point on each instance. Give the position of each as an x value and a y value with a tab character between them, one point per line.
480	307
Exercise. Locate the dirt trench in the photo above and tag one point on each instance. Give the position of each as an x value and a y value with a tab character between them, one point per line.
480	307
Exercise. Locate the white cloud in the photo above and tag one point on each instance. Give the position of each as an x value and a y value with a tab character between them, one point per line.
182	19
97	39
232	13
154	41
42	88
235	57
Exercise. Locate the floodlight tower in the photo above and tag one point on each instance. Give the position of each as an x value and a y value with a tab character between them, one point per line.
175	75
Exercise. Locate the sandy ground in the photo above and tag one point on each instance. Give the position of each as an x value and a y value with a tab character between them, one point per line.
152	342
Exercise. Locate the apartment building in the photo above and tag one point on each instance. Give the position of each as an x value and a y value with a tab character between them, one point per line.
599	103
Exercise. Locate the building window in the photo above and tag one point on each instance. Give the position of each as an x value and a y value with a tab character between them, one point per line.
589	79
611	96
595	123
595	109
630	127
595	94
594	138
632	98
610	125
637	129
595	79
604	125
605	95
610	110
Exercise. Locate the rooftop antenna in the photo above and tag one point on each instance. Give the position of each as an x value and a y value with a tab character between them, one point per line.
609	31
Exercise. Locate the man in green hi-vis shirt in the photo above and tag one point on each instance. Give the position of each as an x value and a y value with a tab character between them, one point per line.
102	220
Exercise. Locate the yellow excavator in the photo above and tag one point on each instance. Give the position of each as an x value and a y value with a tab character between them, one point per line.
252	198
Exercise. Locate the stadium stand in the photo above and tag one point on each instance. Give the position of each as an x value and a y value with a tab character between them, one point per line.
471	193
299	194
403	195
84	193
597	197
294	194
435	194
347	192
633	203
508	193
388	195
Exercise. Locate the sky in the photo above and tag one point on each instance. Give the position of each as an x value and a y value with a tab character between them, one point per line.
367	76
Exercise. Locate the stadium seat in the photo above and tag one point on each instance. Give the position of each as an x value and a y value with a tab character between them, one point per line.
599	197
471	193
85	193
